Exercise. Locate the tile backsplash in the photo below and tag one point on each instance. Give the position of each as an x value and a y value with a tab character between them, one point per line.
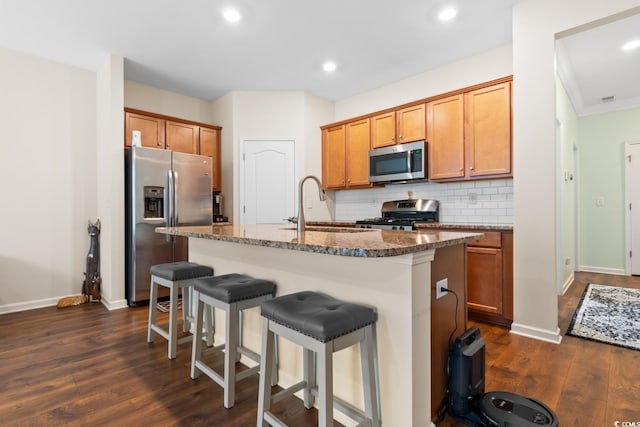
472	202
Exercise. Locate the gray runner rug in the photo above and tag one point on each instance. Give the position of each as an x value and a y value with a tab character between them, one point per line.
608	314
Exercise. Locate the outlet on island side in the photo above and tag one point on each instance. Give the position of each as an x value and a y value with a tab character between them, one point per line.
444	283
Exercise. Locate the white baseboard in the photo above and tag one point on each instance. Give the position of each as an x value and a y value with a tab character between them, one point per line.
553	337
604	270
28	305
50	302
114	305
567	283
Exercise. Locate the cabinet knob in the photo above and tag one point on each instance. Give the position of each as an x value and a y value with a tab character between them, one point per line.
393	137
471	168
460	169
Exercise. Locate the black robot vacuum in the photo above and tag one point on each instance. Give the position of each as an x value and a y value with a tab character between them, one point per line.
468	403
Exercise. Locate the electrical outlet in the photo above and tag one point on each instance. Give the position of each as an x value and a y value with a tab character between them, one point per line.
599	202
444	283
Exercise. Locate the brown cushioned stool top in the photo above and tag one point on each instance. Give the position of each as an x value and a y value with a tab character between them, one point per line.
317	315
182	270
234	287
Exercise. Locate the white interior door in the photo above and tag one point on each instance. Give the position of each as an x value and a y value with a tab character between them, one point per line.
632	178
267	181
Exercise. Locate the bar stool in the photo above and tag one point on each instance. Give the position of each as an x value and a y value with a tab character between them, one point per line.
173	275
322	325
231	293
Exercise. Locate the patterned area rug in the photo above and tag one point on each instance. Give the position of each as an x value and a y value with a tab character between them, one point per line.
164	305
608	314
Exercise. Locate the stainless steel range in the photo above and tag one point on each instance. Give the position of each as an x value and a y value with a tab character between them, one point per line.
403	214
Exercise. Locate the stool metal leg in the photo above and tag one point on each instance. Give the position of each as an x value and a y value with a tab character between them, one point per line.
370	376
196	345
173	322
325	386
153	299
309	376
210	321
231	355
266	367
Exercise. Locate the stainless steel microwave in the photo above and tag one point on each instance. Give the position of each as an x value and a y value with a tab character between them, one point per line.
401	162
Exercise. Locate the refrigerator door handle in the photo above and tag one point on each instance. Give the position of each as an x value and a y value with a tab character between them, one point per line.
169	198
175	198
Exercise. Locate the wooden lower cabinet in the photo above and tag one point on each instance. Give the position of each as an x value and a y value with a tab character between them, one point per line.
490	278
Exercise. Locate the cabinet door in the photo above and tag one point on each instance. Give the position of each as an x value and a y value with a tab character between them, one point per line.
151	130
210	146
333	157
383	130
357	157
484	280
488	132
182	137
445	138
411	124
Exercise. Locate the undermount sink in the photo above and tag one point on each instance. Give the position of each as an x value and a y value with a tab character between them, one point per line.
332	229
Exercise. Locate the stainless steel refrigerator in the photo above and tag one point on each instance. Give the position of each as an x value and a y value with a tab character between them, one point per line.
163	189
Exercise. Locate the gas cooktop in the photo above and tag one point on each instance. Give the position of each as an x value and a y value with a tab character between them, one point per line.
403	214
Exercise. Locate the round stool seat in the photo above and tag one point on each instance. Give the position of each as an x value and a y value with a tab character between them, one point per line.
317	315
182	270
234	287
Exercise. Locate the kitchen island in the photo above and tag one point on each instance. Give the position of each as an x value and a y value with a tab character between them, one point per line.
393	271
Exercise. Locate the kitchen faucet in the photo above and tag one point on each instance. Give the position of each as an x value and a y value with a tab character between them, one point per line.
301	222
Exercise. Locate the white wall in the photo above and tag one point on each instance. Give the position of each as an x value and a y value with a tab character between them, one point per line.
568	178
535	26
476	69
602	141
110	175
159	101
48	148
269	115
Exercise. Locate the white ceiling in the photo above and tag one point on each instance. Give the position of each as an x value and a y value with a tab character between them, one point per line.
593	66
188	48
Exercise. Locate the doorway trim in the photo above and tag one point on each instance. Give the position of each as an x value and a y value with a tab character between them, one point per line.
627	202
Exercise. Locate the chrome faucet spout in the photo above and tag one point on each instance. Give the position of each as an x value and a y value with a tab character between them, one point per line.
301	225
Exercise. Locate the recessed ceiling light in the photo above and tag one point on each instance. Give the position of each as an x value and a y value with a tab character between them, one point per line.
231	15
633	44
447	14
329	66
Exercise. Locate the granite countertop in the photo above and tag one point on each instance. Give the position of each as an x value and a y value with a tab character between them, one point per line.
454	226
331	240
428	225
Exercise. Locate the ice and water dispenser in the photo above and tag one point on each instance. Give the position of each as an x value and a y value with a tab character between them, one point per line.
153	202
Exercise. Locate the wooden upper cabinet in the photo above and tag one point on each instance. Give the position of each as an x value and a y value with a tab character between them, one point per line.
334	157
182	137
488	130
151	130
410	124
345	155
445	138
210	146
383	130
358	144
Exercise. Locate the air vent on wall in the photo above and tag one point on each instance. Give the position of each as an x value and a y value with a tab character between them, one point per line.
607	98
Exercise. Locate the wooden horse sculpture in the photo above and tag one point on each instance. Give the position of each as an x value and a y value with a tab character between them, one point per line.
91	284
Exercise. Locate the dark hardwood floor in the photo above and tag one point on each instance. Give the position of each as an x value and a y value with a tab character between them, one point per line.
85	365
